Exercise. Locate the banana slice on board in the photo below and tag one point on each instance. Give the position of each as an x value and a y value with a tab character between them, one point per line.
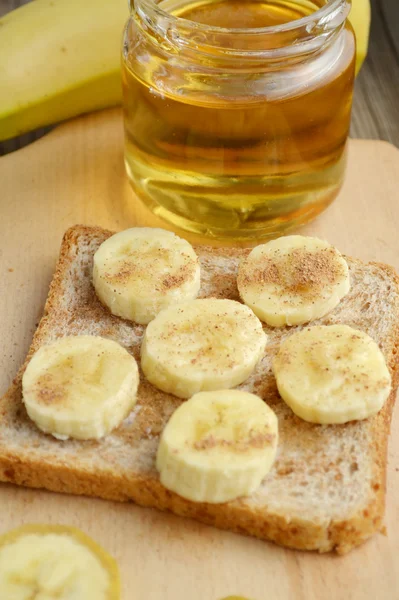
80	387
53	562
293	280
202	345
218	446
140	271
332	374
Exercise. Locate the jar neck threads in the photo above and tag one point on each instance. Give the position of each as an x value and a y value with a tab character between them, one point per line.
291	40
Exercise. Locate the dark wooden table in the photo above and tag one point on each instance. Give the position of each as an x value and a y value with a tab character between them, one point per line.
376	102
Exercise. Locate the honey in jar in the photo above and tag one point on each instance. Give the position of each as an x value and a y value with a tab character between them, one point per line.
237	112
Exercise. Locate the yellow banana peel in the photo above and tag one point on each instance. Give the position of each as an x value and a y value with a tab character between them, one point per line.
61	58
360	19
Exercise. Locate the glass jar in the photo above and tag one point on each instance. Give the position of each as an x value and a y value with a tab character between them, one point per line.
237	131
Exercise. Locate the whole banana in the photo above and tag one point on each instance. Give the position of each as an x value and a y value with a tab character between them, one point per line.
58	59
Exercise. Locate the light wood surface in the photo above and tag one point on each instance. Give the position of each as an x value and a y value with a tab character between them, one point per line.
76	174
375	112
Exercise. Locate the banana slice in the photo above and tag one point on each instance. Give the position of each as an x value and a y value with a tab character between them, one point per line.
293	280
140	271
218	446
80	387
332	374
202	345
55	563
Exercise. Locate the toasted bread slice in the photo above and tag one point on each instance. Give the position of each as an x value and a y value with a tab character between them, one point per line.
326	489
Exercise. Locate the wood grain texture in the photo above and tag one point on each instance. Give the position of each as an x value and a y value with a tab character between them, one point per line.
389	10
375	106
76	174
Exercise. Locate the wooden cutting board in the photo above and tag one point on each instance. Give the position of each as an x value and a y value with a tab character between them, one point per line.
76	175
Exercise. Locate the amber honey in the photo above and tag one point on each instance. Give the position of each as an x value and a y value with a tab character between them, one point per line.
237	132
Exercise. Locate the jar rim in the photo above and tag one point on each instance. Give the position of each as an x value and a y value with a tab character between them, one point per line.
330	16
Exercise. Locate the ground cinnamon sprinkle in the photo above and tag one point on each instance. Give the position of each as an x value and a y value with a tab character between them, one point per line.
257	440
312	270
48	392
316	268
270	272
127	269
171	281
